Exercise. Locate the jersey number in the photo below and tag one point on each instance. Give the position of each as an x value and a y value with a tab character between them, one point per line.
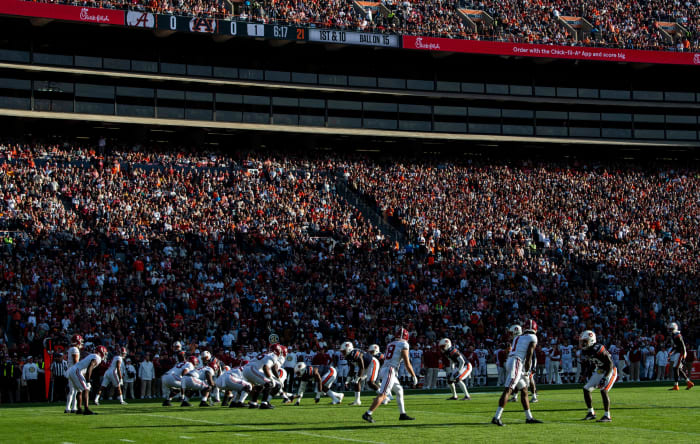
389	352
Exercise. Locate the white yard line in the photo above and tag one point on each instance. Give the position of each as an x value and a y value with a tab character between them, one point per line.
186	437
486	421
126	440
298	432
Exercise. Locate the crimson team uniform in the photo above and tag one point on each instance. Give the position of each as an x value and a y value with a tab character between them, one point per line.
76	374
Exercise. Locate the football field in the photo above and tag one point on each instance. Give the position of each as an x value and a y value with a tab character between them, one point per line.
640	414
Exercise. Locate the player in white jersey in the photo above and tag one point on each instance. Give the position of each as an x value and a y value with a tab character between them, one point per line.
396	353
343	367
201	380
114	376
172	380
76	343
567	355
518	371
260	373
232	381
481	371
80	373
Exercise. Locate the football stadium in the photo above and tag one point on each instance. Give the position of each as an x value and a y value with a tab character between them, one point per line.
384	221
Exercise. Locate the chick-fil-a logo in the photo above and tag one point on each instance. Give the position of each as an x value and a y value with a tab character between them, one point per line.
419	44
97	18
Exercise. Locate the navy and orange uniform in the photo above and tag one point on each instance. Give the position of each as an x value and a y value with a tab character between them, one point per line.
678	344
597	358
308	374
455	357
358	360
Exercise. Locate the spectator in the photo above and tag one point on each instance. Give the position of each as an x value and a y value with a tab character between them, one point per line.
147	375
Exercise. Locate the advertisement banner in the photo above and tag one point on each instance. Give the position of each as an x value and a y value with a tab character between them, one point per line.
63	12
354	38
140	19
551	51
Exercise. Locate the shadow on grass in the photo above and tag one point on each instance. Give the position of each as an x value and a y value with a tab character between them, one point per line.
280	427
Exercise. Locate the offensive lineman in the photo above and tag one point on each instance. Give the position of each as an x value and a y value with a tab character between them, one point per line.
363	367
677	354
114	376
396	352
603	375
461	368
172	380
76	343
517	372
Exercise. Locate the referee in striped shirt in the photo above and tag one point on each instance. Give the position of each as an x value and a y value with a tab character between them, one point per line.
59	368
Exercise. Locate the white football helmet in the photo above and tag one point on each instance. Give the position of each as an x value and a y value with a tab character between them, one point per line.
346	348
515	330
177	346
299	369
444	344
587	339
673	327
205	356
374	350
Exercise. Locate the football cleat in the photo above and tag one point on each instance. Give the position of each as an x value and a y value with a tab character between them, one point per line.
253	405
316	400
605	419
690	385
167	403
266	406
386	401
96	402
88	412
533	421
513	399
405	417
124	403
357	403
185	404
78	412
367	417
452	398
497	421
204	404
534	400
589	416
340	399
67	411
466	398
674	388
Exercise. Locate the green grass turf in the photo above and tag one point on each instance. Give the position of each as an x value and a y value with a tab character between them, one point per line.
640	414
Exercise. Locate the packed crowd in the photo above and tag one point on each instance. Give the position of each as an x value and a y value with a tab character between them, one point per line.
614	24
141	248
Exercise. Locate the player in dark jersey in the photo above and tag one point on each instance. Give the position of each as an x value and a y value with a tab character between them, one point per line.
677	357
363	367
460	368
322	376
599	363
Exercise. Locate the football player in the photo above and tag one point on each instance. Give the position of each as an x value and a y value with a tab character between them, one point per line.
567	354
201	380
322	376
363	367
396	353
114	376
518	371
677	354
232	380
482	354
81	372
460	368
76	343
172	380
259	372
604	373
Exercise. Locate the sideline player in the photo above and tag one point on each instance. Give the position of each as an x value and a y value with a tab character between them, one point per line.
604	374
76	343
363	367
396	352
114	376
517	372
678	353
461	368
81	372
